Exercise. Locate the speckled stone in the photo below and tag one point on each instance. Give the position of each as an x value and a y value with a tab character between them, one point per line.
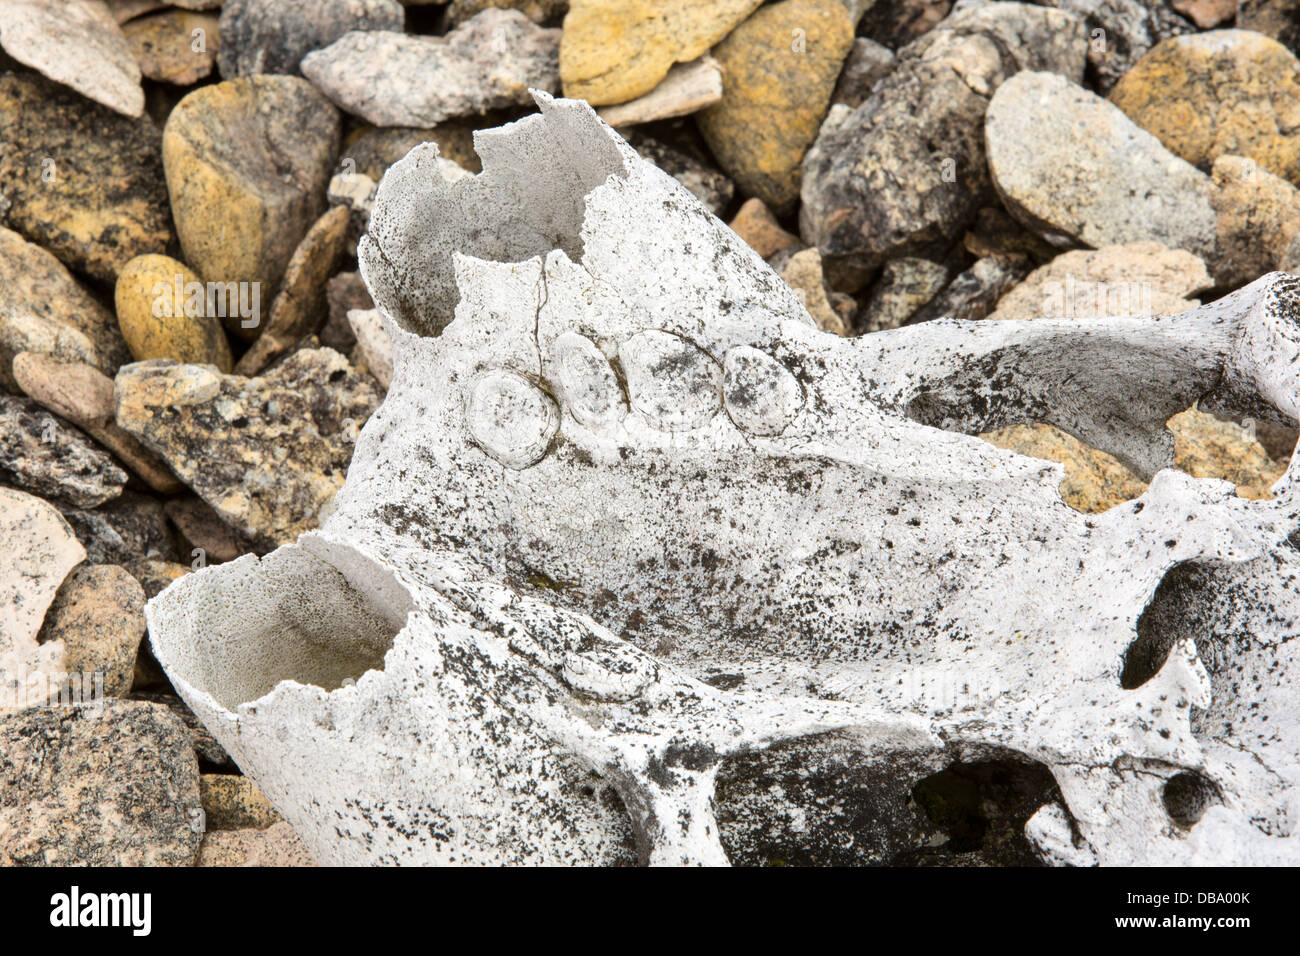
157	322
272	36
99	615
45	455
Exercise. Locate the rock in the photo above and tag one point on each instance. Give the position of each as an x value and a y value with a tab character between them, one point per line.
109	784
1204	447
175	46
269	453
300	308
687	88
77	43
99	615
1206	14
1100	180
345	292
131	527
896	23
374	346
904	173
755	224
781	65
241	210
196	4
211	755
904	286
397	79
124	10
154	576
81	181
614	51
1120	32
272	36
378	148
1137	278
803	273
211	539
1226	91
275	846
1279	19
47	456
233	802
163	312
43	309
996	233
867	63
549	12
974	293
84	396
1258	224
37	550
708	185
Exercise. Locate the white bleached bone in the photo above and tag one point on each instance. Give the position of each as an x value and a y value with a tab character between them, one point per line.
619	465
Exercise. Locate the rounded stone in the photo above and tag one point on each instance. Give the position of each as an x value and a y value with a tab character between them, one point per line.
761	395
510	418
1223	92
162	309
587	384
671	382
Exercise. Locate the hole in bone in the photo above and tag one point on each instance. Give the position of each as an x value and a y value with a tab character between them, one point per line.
1204	447
983	806
315	618
1187	795
824	800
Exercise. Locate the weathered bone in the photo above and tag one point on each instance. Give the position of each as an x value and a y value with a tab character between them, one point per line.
618	461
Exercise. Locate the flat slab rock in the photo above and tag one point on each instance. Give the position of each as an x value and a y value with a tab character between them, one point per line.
109	784
267	453
45	455
397	79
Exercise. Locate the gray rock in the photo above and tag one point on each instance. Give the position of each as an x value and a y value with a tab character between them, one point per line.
710	186
1120	31
974	293
1279	19
267	453
896	23
272	36
211	755
113	783
129	528
904	173
549	12
1099	180
344	292
43	454
77	43
395	79
905	285
867	63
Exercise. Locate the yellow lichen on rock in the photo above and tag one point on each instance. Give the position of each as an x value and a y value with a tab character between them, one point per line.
162	310
616	50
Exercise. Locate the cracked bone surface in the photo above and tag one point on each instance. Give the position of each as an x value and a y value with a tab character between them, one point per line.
635	563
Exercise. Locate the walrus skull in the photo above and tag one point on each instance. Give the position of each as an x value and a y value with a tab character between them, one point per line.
629	531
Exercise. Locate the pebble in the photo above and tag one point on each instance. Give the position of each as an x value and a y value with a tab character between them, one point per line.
131	527
399	79
974	293
374	346
268	453
1226	91
276	846
1258	221
82	181
904	286
211	540
1121	31
44	309
109	784
37	550
240	212
613	51
803	272
77	43
176	46
272	36
867	63
45	455
755	224
781	65
687	88
98	614
1099	180
233	802
163	312
548	12
300	308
